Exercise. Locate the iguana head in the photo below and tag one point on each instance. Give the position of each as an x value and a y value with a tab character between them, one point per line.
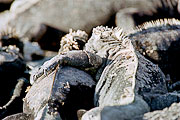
104	38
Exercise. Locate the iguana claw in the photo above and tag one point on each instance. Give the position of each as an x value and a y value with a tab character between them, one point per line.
45	69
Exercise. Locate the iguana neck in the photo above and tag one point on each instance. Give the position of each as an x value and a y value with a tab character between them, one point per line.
107	42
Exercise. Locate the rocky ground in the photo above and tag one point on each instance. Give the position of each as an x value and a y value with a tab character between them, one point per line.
34	31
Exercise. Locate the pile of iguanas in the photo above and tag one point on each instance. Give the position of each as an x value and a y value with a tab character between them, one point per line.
126	80
128	72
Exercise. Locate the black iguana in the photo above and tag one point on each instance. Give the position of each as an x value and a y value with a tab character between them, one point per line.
159	42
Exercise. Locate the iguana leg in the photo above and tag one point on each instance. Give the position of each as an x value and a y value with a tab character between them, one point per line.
76	58
124	18
16	93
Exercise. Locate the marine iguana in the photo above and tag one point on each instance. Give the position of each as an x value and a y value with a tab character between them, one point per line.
74	14
122	74
67	88
159	42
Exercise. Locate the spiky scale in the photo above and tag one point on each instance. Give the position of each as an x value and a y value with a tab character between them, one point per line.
109	49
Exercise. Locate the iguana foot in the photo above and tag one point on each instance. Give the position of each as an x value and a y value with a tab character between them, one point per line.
46	68
76	58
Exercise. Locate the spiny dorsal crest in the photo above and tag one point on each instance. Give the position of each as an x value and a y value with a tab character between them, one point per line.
105	32
156	23
115	34
69	41
123	58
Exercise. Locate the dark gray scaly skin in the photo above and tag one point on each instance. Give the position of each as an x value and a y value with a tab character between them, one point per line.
70	89
159	42
57	89
76	58
105	51
53	96
112	53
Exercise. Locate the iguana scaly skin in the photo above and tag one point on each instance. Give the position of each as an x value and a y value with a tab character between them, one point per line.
103	43
120	66
112	54
159	41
